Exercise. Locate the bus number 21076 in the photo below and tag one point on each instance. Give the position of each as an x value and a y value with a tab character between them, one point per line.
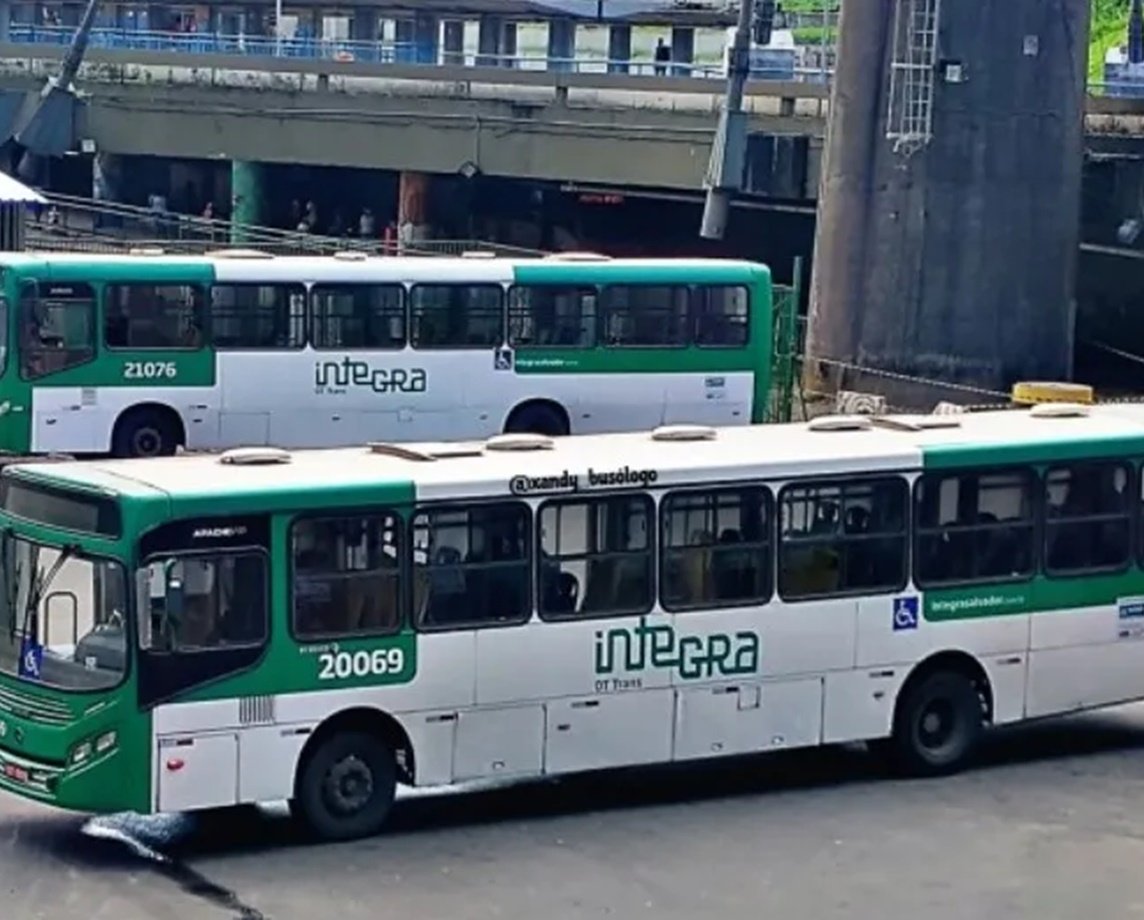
342	665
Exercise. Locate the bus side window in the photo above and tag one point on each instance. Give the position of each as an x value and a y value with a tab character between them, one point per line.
57	328
551	316
595	557
258	316
646	316
974	527
153	316
449	316
721	316
471	566
716	548
1088	517
346	575
843	537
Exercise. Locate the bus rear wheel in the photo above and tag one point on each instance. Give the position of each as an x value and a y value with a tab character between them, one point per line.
938	725
346	787
537	418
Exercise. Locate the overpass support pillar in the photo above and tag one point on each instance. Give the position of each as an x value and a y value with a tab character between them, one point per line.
619	48
426	38
454	35
490	41
412	208
561	44
5	20
246	198
682	50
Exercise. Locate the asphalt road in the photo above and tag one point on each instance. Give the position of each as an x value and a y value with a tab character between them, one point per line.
1052	826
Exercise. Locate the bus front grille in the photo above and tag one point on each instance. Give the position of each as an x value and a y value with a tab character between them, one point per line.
36	708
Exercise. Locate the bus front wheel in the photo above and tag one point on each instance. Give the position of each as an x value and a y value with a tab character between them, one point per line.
346	787
146	431
938	725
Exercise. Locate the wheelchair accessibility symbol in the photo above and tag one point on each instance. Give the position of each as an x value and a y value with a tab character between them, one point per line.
905	613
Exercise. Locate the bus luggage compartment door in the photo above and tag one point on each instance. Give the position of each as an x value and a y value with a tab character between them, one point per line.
196	772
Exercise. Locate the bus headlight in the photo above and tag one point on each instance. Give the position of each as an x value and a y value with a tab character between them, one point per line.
83	751
105	742
80	753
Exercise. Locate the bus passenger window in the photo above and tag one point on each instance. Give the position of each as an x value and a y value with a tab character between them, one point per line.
843	537
1088	517
57	328
974	528
258	316
451	316
716	548
644	315
595	557
549	316
358	316
471	566
346	575
210	601
722	316
159	316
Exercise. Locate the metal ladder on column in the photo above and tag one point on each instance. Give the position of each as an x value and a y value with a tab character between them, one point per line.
909	122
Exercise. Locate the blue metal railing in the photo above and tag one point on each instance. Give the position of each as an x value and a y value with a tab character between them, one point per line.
372	52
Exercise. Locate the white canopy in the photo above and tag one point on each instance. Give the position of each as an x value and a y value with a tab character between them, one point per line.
15	192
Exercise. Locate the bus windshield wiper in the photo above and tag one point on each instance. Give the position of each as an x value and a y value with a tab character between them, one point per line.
41	585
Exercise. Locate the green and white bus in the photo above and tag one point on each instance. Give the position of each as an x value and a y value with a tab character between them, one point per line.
318	626
139	355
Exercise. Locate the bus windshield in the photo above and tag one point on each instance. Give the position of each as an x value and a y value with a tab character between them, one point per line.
62	616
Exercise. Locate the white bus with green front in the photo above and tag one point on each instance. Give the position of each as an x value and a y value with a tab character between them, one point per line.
139	355
318	626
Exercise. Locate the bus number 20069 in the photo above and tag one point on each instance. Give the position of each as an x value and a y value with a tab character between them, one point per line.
340	665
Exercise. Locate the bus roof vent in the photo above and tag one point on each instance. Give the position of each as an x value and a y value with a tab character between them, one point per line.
254	456
840	423
683	433
239	254
578	257
426	453
1059	410
351	255
520	441
478	254
146	251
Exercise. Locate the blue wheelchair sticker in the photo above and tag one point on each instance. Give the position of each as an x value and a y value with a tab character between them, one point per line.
31	659
502	359
905	613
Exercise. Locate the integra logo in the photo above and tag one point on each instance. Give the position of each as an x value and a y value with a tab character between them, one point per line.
218	533
338	376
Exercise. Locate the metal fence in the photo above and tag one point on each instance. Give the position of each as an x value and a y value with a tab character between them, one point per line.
72	224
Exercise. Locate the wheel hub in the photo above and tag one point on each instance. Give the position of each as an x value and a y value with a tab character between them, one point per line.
936	725
148	442
349	785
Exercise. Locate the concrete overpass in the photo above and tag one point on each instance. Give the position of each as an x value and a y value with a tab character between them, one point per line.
613	129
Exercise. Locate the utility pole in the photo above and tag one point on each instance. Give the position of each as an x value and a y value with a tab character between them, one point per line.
725	168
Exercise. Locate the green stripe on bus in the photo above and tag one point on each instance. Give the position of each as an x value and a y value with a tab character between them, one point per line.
1038	595
1038	453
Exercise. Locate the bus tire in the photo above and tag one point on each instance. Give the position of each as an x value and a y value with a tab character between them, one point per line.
146	431
937	726
346	786
538	418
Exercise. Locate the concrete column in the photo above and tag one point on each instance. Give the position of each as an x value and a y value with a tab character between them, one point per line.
619	48
508	44
426	37
412	207
489	40
5	20
247	204
364	25
454	42
561	44
682	50
106	183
